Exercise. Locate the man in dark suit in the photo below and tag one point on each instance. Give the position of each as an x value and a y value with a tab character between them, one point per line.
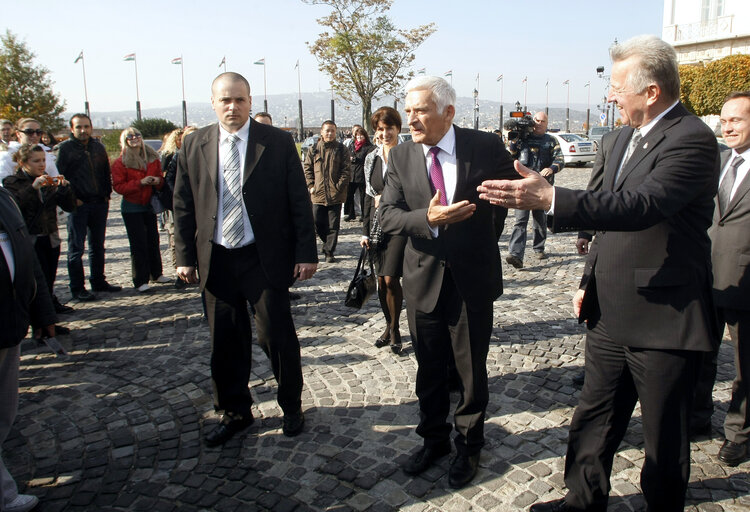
452	268
243	215
23	293
646	295
730	254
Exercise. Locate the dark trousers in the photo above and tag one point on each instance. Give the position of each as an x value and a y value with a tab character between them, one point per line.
451	329
48	257
737	422
236	278
88	220
145	255
616	378
355	189
327	224
517	244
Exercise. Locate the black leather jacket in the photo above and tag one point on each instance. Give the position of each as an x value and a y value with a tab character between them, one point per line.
86	167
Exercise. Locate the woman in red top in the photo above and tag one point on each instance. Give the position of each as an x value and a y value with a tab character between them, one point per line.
135	175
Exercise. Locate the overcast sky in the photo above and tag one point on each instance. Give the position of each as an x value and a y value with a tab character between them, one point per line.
544	40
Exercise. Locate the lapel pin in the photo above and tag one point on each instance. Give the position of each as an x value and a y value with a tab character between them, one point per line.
645	145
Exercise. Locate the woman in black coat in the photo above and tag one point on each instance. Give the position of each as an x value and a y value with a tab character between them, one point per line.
388	257
359	148
38	195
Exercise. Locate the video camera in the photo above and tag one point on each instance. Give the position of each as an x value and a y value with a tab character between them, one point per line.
520	125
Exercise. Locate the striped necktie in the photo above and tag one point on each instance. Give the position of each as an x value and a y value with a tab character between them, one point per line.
232	227
436	175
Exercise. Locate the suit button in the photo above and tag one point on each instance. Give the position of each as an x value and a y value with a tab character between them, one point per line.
213	217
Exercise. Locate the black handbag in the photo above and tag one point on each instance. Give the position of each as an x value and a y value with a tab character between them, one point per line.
377	239
363	283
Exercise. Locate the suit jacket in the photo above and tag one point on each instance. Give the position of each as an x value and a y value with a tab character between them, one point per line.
273	191
469	247
18	303
649	270
730	248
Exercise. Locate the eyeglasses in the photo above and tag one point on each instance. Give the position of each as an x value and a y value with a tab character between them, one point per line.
132	136
29	131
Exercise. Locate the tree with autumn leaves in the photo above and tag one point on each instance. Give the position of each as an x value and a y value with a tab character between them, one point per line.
25	88
703	88
363	52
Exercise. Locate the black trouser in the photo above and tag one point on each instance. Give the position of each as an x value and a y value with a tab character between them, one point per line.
236	278
737	422
145	255
48	257
454	329
349	205
616	378
327	224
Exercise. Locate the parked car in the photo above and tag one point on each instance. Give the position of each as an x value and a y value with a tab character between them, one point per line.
576	150
596	133
404	137
154	143
307	144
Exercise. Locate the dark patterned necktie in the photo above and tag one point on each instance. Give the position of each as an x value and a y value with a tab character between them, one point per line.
232	228
634	140
727	184
436	175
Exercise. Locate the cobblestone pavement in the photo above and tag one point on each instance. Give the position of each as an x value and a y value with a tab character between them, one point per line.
117	424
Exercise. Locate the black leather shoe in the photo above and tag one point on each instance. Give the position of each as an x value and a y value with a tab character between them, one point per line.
395	341
384	340
292	424
463	470
554	506
733	454
227	428
61	309
424	457
104	286
84	295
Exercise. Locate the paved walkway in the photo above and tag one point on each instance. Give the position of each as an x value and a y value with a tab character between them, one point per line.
117	425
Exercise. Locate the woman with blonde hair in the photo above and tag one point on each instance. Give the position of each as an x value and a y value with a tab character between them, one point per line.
136	174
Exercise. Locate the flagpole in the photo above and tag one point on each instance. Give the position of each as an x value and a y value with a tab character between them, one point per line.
137	94
184	103
85	88
546	105
567	107
500	79
301	133
265	96
525	88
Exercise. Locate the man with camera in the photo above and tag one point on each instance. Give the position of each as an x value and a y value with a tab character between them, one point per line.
538	150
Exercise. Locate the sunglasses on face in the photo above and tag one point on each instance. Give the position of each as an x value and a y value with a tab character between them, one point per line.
29	131
132	136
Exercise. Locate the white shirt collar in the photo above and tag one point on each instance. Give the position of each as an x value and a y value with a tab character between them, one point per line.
243	133
745	155
647	128
447	143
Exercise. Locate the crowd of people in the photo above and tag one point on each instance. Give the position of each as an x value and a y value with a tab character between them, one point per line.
663	226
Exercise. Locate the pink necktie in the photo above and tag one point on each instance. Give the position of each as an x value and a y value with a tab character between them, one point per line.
436	175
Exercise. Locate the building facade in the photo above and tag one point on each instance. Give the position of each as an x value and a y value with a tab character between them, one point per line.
707	30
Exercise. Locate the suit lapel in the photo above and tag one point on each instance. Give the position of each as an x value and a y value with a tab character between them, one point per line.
742	189
618	151
418	162
256	144
209	150
463	164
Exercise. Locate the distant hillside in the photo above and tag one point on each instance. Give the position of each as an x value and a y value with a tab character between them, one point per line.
317	108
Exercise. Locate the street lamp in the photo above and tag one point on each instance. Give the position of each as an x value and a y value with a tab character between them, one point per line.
606	106
500	79
476	109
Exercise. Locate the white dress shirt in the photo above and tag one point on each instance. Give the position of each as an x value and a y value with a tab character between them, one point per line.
243	135
742	170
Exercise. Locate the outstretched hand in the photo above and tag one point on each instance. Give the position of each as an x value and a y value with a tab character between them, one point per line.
532	192
439	215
